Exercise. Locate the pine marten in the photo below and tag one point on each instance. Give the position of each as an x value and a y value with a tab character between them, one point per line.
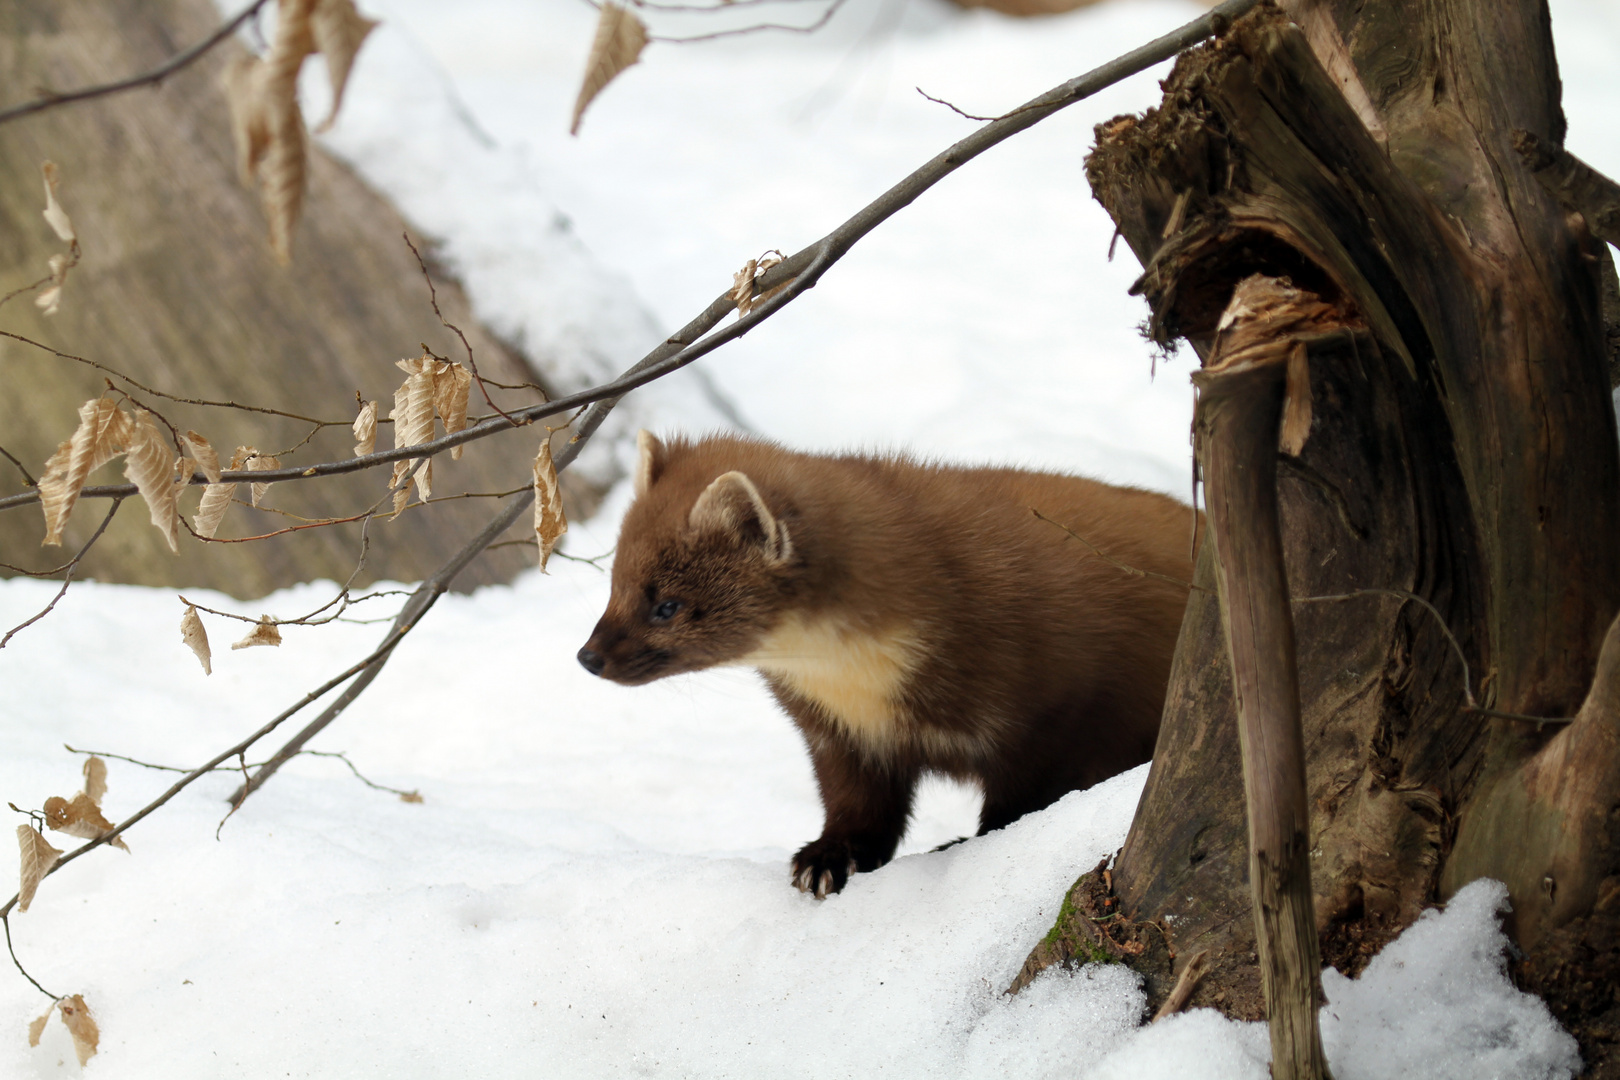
908	617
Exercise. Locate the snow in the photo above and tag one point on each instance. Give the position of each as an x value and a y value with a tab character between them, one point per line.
595	883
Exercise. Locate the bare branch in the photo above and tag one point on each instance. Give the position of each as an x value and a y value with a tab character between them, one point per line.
28	477
115	373
826	17
5	918
472	365
801	271
68	580
50	99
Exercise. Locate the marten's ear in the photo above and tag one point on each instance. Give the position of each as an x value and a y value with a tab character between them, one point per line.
732	505
650	458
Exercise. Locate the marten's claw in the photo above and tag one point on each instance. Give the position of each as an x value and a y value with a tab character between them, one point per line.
822	868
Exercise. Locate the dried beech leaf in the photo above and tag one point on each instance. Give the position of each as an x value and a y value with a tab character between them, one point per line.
150	467
36	1026
204	454
620	37
250	125
451	388
81	1025
196	638
216	500
103	433
271	147
50	301
79	817
95	778
365	430
742	286
339	31
37	857
262	463
413	422
265	633
743	283
549	522
54	214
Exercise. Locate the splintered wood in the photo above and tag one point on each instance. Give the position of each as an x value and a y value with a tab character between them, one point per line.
1269	321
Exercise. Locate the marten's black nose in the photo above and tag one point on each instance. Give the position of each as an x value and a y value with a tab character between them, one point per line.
592	662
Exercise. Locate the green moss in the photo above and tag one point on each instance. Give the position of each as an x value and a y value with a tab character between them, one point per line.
1065	913
1080	946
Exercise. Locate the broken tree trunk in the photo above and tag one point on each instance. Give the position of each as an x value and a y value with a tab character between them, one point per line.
1455	505
1260	353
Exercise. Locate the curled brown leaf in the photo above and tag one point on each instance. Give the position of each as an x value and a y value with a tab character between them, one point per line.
54	214
38	856
95	778
49	301
263	633
271	147
36	1026
413	422
150	467
339	30
203	453
196	638
261	463
81	1025
103	433
79	816
549	522
620	37
451	386
365	429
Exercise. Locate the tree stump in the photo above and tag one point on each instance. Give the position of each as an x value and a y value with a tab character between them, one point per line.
1459	491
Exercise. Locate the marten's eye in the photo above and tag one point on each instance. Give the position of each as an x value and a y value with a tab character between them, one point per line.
666	611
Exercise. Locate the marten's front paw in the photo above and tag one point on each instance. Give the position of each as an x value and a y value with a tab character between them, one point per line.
823	866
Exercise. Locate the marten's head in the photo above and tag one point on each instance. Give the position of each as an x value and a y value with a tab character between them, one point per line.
700	574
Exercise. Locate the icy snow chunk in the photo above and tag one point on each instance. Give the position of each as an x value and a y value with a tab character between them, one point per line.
1201	1043
1057	1025
1437	1003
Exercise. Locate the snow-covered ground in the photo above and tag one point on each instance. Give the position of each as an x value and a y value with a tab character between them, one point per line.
595	883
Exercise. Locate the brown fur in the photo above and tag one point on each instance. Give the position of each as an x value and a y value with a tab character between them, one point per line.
908	617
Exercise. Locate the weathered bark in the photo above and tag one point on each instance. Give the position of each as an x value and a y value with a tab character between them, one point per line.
1259	352
1462	451
178	289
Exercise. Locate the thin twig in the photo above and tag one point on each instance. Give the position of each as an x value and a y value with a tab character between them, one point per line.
1472	705
143	388
28	478
826	17
1135	571
5	918
472	365
68	580
14	293
209	766
709	9
233	768
51	99
409	796
953	108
